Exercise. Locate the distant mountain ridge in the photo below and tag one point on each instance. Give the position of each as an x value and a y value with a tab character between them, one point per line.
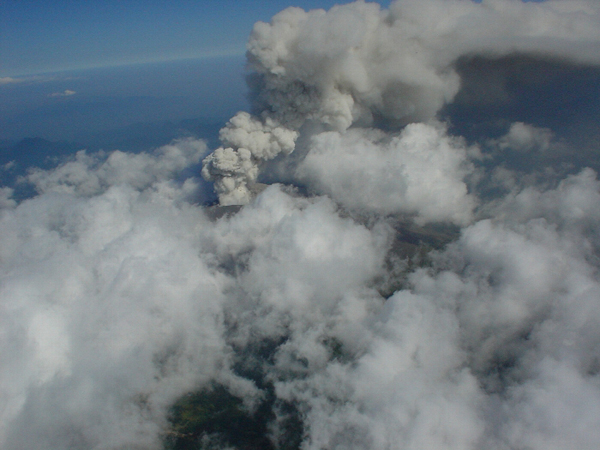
17	157
39	151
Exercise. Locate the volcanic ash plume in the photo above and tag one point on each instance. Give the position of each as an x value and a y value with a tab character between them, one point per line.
359	66
246	140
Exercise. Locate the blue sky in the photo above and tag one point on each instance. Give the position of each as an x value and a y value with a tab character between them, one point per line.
50	36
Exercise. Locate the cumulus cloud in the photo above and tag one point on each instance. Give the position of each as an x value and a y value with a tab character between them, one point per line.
92	174
93	311
524	137
347	299
84	316
117	298
419	172
482	351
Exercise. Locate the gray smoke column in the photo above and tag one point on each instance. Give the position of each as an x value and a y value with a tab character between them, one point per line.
358	65
246	141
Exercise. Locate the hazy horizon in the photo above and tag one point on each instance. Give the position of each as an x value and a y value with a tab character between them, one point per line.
99	100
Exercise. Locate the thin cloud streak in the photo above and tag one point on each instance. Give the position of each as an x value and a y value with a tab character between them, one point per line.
65	93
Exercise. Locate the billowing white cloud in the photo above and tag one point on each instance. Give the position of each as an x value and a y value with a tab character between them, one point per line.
92	174
494	348
89	314
420	172
118	300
